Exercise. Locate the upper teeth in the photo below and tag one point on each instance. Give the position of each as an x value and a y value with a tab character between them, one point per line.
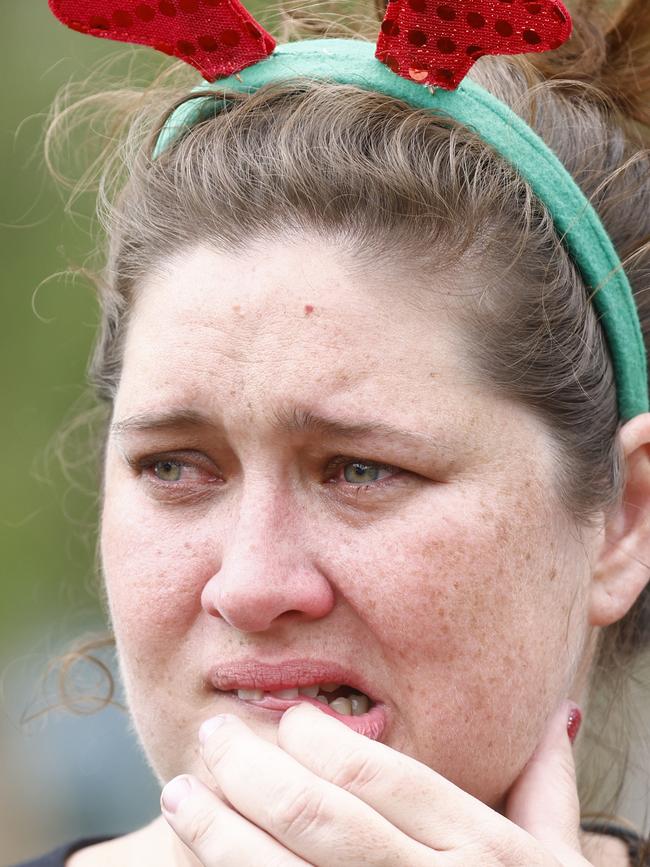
329	686
285	693
355	705
311	691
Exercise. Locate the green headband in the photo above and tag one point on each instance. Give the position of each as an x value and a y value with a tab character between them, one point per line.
352	61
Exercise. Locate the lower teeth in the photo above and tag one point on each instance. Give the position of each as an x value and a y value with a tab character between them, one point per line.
342	705
353	705
360	704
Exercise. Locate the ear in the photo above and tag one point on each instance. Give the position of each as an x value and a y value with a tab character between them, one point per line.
623	566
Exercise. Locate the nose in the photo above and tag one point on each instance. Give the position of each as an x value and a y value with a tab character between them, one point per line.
266	571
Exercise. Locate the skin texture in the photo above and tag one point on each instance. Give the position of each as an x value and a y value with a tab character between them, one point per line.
458	588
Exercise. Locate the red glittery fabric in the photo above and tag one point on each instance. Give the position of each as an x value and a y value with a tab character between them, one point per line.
218	37
436	42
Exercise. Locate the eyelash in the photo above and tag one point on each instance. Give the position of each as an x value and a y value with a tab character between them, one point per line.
140	465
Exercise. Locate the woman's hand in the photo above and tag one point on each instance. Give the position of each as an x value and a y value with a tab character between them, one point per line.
328	796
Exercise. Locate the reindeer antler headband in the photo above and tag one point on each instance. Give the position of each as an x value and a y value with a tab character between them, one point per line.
422	42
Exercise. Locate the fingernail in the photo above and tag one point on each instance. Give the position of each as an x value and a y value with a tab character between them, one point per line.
209	726
574	722
174	792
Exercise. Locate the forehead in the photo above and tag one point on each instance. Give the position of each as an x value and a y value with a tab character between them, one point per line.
294	309
248	336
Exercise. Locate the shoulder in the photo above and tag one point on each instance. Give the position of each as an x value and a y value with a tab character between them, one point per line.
101	854
122	850
143	846
61	856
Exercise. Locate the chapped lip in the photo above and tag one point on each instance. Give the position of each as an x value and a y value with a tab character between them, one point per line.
285	674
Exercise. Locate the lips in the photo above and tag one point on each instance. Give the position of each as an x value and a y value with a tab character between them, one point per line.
287	674
228	677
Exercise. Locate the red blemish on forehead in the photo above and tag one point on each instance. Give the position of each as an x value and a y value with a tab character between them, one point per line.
309	308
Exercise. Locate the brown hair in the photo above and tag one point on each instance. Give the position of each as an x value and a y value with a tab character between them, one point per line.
389	182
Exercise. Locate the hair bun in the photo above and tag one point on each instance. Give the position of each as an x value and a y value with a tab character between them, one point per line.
609	49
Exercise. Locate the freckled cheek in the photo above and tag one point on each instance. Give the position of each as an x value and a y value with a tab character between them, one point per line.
154	570
415	587
471	595
469	617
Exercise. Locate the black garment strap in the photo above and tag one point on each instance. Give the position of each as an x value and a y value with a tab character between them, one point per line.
635	844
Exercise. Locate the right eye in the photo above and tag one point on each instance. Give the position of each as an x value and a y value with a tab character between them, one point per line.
174	473
164	470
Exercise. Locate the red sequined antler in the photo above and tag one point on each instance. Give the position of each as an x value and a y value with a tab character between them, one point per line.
218	37
437	41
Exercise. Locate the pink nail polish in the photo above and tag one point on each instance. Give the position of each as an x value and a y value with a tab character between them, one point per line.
573	724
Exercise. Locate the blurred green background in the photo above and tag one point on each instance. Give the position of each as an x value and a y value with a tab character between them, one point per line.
63	776
59	772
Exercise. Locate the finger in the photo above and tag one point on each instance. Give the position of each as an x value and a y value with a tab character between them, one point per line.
424	805
216	833
544	799
310	816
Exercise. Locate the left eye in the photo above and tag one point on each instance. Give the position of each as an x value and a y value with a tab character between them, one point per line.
361	477
359	472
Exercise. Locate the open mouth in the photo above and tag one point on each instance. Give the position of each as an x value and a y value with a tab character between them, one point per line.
294	683
341	698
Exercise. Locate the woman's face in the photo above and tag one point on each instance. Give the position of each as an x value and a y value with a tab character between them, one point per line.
444	573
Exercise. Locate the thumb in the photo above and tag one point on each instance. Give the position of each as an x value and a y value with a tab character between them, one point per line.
544	798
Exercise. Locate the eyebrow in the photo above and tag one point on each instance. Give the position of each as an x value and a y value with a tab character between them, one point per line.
286	420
